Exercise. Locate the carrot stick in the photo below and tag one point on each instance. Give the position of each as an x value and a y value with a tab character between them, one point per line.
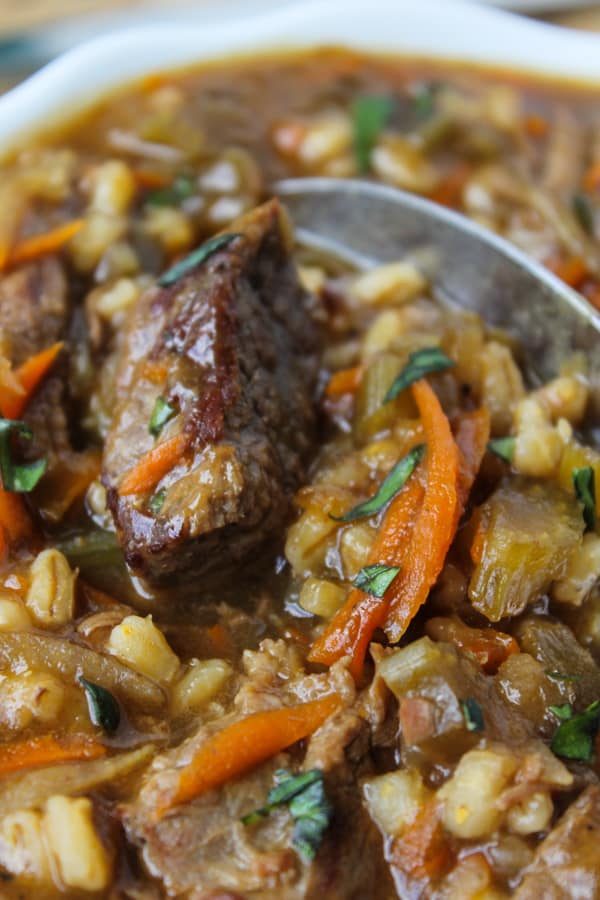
353	626
154	465
29	375
46	750
344	382
591	179
239	747
437	519
423	851
489	646
536	126
472	436
42	244
449	191
571	270
14	517
146	178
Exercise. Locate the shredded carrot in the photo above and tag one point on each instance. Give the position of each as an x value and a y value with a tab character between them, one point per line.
148	179
436	522
29	375
591	179
220	639
572	270
423	851
489	646
449	191
536	126
241	746
47	750
42	244
353	626
154	371
472	436
11	389
146	474
345	382
15	522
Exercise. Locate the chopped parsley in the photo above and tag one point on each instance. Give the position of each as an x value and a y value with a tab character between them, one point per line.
103	708
473	715
18	477
375	579
305	797
388	488
583	212
574	737
194	259
585	490
162	413
182	187
423	99
370	115
562	676
503	448
420	363
155	503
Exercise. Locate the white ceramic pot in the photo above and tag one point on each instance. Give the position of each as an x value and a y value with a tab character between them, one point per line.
451	29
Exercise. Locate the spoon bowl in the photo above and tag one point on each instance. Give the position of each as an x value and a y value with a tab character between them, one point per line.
367	224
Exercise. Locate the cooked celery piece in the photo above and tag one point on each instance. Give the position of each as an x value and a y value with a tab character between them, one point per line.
371	414
532	528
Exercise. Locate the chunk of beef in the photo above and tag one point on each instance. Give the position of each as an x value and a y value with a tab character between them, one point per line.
232	348
202	848
34	314
566	863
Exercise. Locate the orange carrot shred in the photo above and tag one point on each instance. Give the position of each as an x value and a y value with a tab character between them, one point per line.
437	519
572	270
344	382
146	178
244	744
449	191
489	646
353	626
29	375
146	474
536	126
38	245
472	436
46	750
423	851
591	179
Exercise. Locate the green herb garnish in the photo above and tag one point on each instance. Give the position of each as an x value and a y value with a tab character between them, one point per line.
307	802
574	737
583	212
155	503
103	708
182	187
503	448
563	712
423	99
370	115
375	579
473	714
388	488
18	477
196	258
420	363
562	676
585	490
161	414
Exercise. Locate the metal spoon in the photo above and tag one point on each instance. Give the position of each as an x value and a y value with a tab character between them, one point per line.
366	224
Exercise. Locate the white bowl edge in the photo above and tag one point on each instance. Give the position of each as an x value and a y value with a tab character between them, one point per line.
447	29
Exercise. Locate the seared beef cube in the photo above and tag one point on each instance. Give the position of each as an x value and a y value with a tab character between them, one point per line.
230	352
34	314
566	864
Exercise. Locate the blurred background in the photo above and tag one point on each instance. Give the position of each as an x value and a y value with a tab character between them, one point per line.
34	31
